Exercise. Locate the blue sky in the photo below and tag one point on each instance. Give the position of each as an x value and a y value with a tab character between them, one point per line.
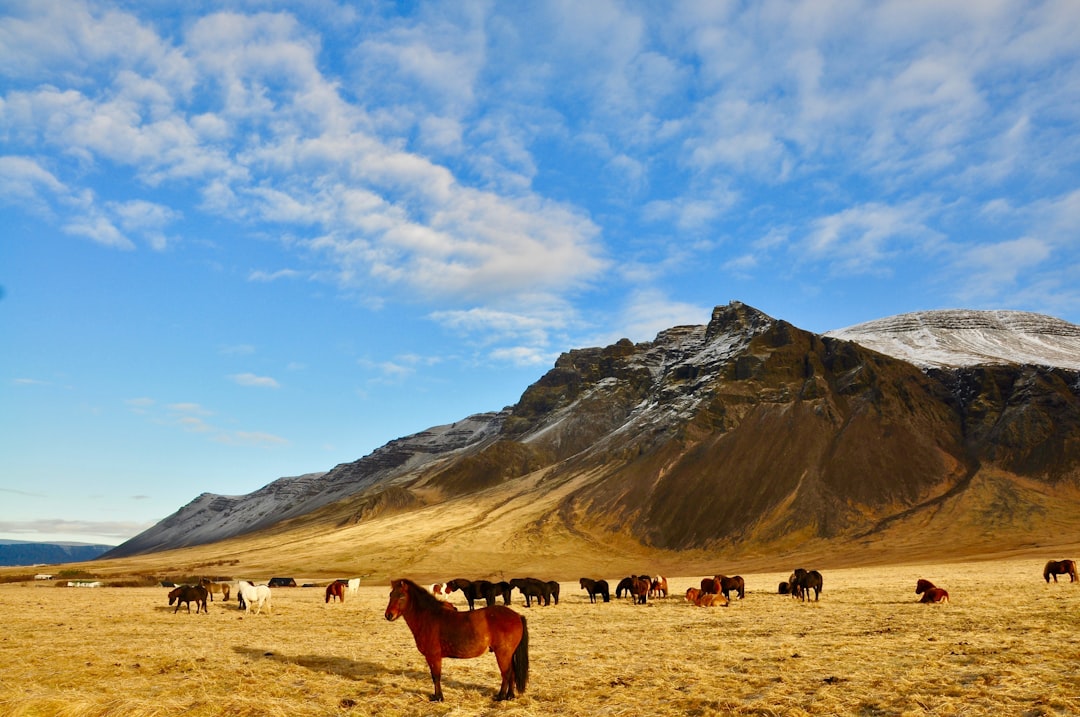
247	240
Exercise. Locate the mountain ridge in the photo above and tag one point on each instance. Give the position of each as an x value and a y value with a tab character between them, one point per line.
674	443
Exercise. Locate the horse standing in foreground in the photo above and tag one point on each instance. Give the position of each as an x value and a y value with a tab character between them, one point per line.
440	632
188	594
1060	567
930	593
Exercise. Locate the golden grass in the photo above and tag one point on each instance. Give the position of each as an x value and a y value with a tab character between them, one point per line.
1006	644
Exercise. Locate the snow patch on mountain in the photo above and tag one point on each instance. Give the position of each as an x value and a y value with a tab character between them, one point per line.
959	337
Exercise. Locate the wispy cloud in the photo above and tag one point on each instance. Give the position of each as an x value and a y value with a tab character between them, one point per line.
119	530
250	379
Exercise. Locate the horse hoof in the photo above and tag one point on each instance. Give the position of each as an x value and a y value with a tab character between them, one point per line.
435	698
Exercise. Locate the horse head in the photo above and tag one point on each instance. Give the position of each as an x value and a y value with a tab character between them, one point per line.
399	600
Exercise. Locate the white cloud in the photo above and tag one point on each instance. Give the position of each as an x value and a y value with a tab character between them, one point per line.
250	379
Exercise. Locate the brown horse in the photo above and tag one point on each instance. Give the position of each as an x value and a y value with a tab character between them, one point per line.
710	585
188	594
930	593
658	588
336	589
440	633
212	587
711	600
735	582
1060	567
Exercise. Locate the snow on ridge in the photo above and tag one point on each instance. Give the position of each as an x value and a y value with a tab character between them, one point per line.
965	337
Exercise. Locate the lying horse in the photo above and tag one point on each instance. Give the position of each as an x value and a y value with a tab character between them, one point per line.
440	633
336	589
594	588
705	599
533	588
1060	567
735	582
188	594
212	587
251	595
930	593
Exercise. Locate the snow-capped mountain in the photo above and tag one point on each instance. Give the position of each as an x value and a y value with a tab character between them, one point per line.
968	338
745	431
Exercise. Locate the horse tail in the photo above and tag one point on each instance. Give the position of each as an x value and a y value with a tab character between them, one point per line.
520	661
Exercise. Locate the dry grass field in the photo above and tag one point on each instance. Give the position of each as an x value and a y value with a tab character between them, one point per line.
1007	644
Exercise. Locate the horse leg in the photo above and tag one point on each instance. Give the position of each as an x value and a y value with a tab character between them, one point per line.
435	665
506	670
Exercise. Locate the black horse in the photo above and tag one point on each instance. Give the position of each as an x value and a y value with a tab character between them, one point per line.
504	589
735	582
533	588
802	582
554	587
474	590
596	587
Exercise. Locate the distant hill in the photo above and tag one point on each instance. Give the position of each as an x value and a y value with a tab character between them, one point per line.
18	553
947	434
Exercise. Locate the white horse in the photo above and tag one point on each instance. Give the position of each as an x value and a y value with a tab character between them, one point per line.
257	596
354	585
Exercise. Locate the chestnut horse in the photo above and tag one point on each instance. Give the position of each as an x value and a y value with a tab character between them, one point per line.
706	599
440	633
658	587
1060	567
930	593
336	589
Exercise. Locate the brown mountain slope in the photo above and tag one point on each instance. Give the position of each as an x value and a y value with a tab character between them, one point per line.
743	440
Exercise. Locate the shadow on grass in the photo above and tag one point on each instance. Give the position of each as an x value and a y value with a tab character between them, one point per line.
360	669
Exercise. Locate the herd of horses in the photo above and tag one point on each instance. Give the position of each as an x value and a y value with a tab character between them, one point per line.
440	630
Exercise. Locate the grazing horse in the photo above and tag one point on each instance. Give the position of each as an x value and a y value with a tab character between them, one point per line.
626	584
1060	567
930	593
354	586
554	588
594	588
710	585
257	596
474	590
802	582
440	633
188	594
784	588
640	589
212	587
735	582
658	587
533	588
336	589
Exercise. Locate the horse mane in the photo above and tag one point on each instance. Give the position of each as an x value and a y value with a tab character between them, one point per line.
423	599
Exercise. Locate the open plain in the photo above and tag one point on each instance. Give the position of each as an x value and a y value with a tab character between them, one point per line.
1007	643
